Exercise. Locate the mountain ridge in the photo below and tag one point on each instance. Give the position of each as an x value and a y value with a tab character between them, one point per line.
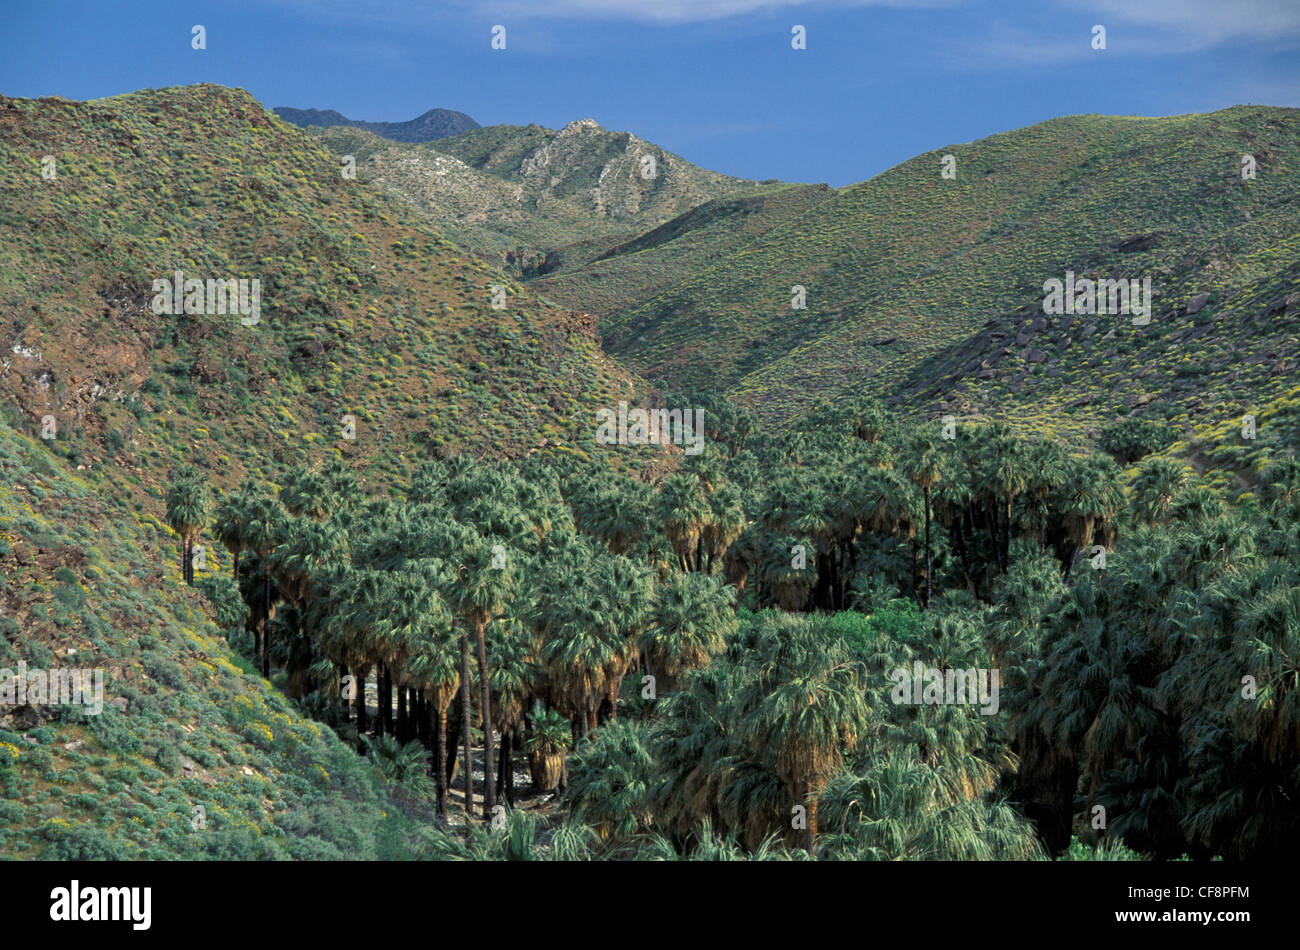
531	198
902	266
426	127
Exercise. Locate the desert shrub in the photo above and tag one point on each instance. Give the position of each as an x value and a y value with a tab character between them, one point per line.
81	843
111	730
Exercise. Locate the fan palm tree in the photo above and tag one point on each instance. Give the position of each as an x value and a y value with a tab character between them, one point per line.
416	638
188	501
631	599
310	548
1098	684
264	529
618	511
1280	480
1049	468
1005	475
229	524
726	522
484	582
1089	499
306	494
692	621
868	418
894	806
611	782
922	464
578	642
342	617
514	678
683	512
1155	488
806	706
341	484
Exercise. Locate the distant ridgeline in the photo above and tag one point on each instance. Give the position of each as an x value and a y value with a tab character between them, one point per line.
434	124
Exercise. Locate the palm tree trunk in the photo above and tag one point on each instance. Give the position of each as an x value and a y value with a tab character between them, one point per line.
928	564
615	684
234	571
185	561
489	741
506	768
465	715
916	583
1092	797
1006	538
959	539
403	723
388	700
454	733
440	762
266	630
359	682
801	794
993	538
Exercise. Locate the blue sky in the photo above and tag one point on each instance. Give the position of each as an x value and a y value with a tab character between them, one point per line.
715	81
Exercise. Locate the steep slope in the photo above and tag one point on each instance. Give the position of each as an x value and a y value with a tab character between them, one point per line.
652	263
362	315
482	212
613	175
434	124
573	193
534	199
191	754
363	322
921	288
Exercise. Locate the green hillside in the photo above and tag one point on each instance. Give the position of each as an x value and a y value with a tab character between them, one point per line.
365	579
653	263
929	290
364	312
193	754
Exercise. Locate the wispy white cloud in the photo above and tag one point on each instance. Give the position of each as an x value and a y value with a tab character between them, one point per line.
1168	28
683	11
646	11
1191	25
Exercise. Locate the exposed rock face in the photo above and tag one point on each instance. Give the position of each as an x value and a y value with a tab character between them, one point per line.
577	125
582	324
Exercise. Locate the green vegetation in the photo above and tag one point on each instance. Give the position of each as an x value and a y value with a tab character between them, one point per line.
928	291
193	755
343	569
362	316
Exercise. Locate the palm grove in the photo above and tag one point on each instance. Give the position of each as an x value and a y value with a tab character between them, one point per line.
700	665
